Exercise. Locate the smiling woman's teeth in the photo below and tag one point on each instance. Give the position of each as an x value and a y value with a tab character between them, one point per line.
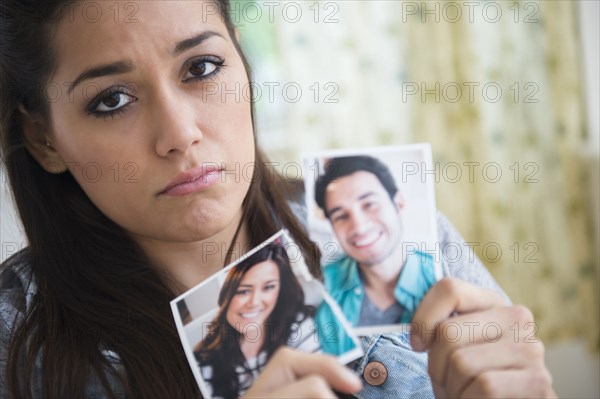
250	315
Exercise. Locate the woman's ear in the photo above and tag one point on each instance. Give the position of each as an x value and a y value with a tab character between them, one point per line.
36	135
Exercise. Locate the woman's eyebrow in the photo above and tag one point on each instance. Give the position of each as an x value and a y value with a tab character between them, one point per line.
101	70
194	41
126	66
266	282
246	285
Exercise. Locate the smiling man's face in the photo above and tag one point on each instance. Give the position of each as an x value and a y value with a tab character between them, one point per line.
364	218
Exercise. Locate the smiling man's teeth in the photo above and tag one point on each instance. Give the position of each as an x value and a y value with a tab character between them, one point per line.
368	239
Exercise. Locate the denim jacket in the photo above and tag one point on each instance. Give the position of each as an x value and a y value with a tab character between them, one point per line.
407	375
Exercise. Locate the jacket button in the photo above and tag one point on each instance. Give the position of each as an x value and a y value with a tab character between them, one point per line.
375	373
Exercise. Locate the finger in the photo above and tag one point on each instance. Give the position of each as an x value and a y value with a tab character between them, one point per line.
528	383
309	387
487	327
465	364
336	375
288	365
447	296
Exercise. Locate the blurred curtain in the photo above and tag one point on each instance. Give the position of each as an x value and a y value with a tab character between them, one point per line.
494	86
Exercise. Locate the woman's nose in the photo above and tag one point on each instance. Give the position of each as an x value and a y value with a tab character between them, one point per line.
252	299
175	122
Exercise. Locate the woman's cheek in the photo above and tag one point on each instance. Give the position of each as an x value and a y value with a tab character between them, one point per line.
274	297
234	306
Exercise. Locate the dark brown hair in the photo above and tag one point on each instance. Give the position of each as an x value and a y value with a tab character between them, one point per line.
96	288
221	348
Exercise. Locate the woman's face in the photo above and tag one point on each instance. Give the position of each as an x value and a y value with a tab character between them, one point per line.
256	296
153	119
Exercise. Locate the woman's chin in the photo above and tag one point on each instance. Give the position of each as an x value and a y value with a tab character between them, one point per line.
202	224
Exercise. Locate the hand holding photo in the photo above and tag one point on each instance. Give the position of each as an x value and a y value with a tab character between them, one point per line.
380	222
233	323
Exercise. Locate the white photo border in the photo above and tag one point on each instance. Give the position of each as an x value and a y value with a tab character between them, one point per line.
300	270
311	173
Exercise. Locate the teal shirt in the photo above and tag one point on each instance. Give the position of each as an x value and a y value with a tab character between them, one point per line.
333	338
342	281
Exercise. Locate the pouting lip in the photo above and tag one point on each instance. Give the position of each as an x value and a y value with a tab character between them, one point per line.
191	175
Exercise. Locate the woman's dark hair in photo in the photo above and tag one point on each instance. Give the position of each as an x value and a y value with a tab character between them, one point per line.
96	289
221	348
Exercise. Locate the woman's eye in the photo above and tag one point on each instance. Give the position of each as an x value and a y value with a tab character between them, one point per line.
111	102
242	292
203	68
270	287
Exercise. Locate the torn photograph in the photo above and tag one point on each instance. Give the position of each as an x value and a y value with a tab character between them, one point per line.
373	214
231	324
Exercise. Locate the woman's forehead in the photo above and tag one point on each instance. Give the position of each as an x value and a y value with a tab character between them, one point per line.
263	271
93	32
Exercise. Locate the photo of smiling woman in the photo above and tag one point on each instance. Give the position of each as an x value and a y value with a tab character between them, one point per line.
254	319
261	308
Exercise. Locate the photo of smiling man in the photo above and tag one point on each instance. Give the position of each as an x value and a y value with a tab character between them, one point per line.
381	277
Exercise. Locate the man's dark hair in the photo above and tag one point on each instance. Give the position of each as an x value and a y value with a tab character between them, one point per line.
345	166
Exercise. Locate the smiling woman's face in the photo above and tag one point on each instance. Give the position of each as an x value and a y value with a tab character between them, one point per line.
143	101
255	298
